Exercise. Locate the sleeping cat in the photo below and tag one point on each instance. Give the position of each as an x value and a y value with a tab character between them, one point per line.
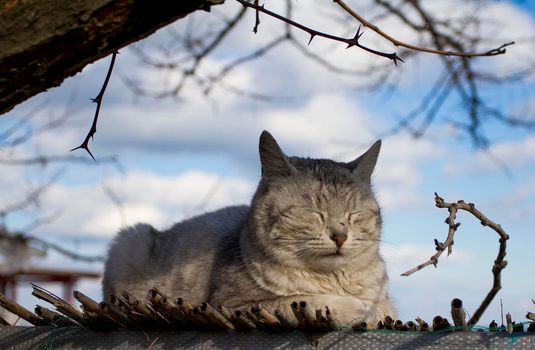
311	234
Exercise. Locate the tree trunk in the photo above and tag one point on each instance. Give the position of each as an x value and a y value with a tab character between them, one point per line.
44	42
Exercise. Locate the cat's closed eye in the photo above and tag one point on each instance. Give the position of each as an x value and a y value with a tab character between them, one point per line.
320	217
356	217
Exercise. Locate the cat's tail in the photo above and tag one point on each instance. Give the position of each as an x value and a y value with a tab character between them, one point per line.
128	257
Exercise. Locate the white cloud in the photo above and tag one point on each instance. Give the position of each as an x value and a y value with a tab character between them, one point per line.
516	155
518	203
191	188
324	127
512	153
159	200
505	21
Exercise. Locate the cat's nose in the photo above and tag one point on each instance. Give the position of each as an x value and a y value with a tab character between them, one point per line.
339	238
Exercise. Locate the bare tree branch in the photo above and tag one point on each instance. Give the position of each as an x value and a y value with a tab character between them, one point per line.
464	82
187	72
499	263
212	80
44	160
19	237
98	101
31	198
313	33
493	52
68	253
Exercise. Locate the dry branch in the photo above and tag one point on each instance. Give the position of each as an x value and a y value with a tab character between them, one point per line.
424	326
509	323
164	307
138	307
410	326
285	323
241	321
398	325
60	304
225	312
205	317
93	309
439	323
215	317
265	316
313	33
388	322
457	314
55	317
499	263
184	305
462	80
98	101
18	310
493	52
115	314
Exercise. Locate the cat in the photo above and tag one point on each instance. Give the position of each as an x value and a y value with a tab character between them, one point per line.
311	234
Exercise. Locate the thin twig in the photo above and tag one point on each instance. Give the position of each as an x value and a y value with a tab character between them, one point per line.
45	160
32	198
313	33
21	311
98	101
59	249
223	72
499	263
509	323
257	19
60	304
493	52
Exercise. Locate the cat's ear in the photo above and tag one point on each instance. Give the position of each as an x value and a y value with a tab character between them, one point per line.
274	161
363	166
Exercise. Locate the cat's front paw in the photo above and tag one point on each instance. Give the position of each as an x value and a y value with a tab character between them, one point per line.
342	311
346	311
339	311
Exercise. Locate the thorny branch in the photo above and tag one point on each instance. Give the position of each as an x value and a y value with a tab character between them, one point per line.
463	78
257	18
313	33
466	82
493	52
191	71
499	263
98	101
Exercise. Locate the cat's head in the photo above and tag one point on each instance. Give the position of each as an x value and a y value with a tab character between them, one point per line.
316	213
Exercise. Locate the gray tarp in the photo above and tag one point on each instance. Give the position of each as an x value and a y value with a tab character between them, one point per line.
80	338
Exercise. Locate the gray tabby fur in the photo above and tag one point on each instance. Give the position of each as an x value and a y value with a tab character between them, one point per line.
311	234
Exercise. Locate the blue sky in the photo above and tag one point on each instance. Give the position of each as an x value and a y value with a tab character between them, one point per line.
179	158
